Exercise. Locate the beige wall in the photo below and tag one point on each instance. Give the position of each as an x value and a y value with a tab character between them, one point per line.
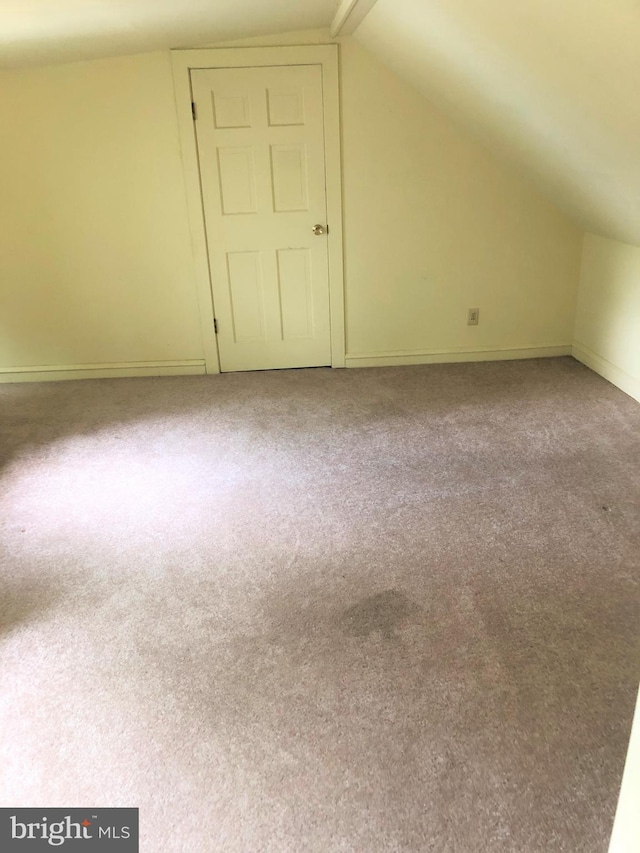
434	225
607	331
95	259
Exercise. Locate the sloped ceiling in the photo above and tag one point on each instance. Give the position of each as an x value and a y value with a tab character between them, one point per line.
552	84
40	31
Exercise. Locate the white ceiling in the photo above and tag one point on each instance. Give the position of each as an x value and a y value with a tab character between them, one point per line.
41	31
551	84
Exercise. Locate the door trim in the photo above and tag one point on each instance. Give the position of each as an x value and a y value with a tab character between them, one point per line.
325	55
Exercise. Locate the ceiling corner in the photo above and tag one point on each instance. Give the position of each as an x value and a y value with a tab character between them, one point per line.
350	15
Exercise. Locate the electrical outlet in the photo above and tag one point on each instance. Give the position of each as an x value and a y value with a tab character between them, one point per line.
472	318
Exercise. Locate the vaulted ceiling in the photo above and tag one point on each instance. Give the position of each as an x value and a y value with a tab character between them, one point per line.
38	31
553	85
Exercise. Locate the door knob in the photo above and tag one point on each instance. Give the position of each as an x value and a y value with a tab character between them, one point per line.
318	230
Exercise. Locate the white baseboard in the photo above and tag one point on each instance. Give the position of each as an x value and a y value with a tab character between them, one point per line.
57	372
622	380
386	359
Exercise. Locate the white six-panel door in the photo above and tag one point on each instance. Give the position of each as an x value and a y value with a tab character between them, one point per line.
261	153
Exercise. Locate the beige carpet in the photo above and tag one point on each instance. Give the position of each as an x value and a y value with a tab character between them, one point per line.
368	610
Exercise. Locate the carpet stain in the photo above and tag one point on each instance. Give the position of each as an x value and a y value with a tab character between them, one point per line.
391	609
385	612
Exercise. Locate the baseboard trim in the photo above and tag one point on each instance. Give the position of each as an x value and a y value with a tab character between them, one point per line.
622	380
58	372
388	359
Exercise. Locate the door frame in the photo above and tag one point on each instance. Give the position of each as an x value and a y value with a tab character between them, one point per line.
325	55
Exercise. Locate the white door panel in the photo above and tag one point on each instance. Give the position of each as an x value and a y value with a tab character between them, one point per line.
261	153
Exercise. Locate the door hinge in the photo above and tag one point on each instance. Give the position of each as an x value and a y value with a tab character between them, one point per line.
215	326
194	112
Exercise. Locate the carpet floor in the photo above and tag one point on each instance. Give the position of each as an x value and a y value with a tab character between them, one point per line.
317	611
